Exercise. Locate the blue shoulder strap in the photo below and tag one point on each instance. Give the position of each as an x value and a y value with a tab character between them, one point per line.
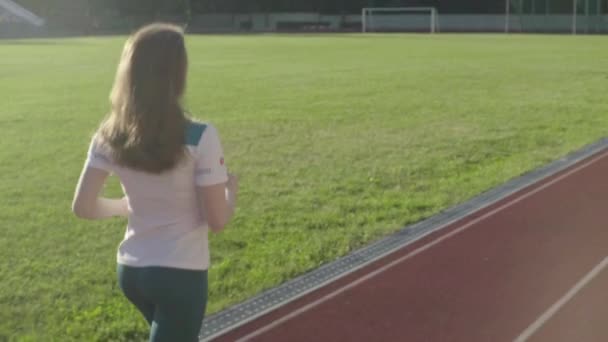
194	132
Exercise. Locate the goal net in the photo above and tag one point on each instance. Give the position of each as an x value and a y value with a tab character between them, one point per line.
399	19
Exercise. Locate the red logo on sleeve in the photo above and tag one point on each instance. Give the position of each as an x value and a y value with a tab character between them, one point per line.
222	161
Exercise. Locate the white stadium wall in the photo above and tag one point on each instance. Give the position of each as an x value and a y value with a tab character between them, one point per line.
261	22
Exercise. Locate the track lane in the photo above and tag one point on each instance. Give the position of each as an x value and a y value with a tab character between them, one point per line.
582	318
487	283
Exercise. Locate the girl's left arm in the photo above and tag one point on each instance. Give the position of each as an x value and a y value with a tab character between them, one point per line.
88	204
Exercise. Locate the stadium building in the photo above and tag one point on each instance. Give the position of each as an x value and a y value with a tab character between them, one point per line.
581	16
17	21
114	16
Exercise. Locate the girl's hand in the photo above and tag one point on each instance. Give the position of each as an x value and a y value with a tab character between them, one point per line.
124	207
232	188
233	183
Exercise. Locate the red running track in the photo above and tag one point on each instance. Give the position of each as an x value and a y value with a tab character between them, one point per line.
531	267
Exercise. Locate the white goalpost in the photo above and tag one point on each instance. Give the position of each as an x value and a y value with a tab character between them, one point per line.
393	16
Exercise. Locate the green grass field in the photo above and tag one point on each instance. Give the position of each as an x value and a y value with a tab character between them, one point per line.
338	139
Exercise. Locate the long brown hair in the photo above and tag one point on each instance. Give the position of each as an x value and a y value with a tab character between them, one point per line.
146	124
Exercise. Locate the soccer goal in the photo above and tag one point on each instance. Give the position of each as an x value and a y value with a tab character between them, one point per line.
399	19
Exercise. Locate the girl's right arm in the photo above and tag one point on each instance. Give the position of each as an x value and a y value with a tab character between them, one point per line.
218	202
216	188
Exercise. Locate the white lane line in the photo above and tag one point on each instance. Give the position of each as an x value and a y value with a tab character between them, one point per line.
534	327
421	249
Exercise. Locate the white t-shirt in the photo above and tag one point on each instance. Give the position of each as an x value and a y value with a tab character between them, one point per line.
166	226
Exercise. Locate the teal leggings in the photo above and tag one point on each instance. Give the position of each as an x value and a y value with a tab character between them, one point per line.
172	300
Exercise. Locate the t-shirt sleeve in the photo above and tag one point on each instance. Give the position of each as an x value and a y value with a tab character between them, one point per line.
96	159
210	166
